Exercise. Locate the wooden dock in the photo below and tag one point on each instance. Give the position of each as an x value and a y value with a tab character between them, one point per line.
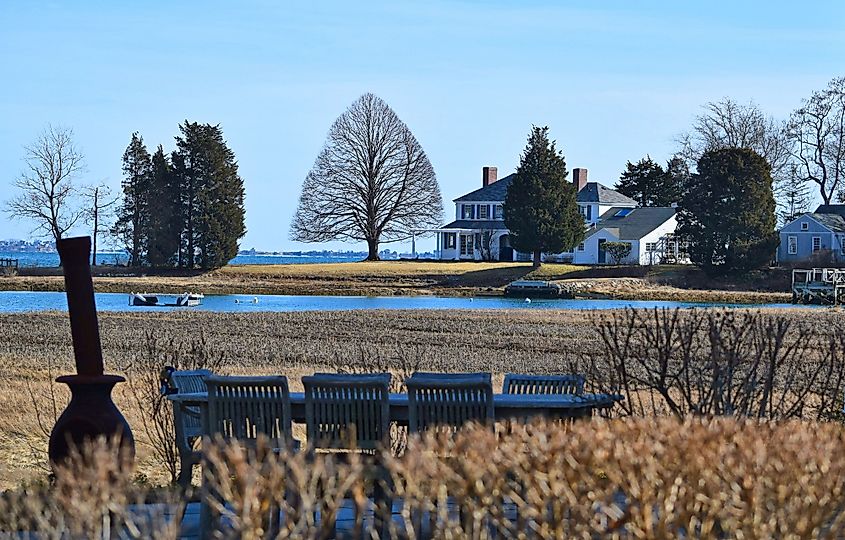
7	264
818	286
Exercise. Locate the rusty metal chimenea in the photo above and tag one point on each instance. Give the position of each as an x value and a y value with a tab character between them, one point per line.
91	412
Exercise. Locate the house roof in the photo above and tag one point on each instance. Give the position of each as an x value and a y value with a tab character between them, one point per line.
593	192
838	209
834	222
636	224
484	224
493	193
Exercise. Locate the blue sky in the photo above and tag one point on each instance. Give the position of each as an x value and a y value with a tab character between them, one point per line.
614	80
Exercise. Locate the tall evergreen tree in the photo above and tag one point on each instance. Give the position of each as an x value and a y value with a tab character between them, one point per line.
795	197
211	196
540	207
649	184
165	224
728	212
133	216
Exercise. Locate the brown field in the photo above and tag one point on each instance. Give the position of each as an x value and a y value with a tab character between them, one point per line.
34	348
421	277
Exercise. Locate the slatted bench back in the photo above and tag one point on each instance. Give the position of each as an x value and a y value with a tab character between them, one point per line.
448	400
189	382
347	411
543	384
243	408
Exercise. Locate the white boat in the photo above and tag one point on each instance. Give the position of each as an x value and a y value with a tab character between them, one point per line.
173	300
189	299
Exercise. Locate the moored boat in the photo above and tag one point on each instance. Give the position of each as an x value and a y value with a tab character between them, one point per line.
526	288
171	300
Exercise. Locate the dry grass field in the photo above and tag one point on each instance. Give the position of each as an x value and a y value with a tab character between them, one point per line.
34	348
423	277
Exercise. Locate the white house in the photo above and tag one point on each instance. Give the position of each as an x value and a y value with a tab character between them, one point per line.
650	231
813	235
479	232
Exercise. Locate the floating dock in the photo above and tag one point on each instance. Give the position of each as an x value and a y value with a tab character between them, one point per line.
818	286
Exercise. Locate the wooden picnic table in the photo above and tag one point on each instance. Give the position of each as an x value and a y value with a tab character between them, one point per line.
505	406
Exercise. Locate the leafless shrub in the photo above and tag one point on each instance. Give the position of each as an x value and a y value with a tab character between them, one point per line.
92	496
625	478
243	485
144	387
644	478
719	362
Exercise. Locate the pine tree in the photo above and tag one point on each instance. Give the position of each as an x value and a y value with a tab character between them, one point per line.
165	225
649	184
728	212
134	213
794	196
540	207
211	196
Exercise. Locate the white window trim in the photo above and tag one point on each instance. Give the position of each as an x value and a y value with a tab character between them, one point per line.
816	240
467	246
792	244
805	226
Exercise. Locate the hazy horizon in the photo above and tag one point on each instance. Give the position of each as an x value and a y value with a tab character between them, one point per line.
614	82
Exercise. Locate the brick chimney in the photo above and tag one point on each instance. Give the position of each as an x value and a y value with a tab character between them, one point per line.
488	175
579	178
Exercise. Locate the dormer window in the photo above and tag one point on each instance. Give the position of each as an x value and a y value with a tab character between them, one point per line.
498	212
466	211
483	211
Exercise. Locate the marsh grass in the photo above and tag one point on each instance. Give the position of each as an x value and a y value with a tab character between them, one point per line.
36	347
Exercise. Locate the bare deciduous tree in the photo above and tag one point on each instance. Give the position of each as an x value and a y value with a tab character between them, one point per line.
728	124
47	193
99	201
371	182
817	130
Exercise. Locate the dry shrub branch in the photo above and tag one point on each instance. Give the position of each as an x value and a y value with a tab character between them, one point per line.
623	478
720	362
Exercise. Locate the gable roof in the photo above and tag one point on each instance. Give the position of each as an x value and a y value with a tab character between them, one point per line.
636	224
834	222
838	209
829	216
492	193
593	192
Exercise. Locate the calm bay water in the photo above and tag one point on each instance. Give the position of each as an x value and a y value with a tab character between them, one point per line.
52	259
22	301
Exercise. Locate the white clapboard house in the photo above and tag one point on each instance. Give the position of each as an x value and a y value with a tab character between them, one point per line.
479	232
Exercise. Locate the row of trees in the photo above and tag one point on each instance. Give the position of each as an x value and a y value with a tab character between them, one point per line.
184	209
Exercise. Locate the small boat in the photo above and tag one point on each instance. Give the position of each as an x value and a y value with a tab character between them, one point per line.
178	300
143	299
189	299
526	288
